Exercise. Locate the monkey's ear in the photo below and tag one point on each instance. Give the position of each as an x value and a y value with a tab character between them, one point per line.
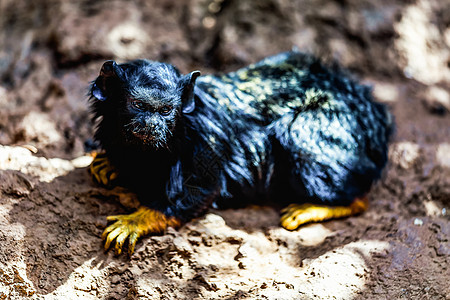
187	97
110	70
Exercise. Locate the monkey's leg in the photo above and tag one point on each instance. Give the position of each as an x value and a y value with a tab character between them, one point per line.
298	214
135	225
102	171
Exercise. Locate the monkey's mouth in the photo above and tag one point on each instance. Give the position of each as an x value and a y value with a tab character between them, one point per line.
146	138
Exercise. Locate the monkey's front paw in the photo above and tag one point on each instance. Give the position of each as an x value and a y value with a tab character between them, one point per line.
135	225
298	214
102	171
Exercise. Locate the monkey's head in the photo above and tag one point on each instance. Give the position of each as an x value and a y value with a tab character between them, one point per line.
141	102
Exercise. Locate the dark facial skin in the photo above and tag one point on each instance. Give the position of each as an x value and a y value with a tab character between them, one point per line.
151	115
143	100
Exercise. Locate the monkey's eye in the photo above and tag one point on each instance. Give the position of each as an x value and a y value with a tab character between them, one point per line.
138	104
165	110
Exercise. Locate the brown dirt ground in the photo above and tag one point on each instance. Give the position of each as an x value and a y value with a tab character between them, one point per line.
52	215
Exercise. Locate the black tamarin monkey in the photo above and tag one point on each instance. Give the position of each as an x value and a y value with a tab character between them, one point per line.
286	129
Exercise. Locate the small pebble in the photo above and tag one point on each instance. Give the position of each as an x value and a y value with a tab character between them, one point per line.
418	222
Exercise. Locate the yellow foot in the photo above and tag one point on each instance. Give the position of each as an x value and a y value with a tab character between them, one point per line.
102	171
135	225
298	214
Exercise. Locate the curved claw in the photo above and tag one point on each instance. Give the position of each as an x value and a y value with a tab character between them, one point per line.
132	239
108	230
120	239
114	218
135	225
111	236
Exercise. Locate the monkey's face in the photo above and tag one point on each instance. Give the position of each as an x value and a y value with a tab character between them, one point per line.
144	99
150	115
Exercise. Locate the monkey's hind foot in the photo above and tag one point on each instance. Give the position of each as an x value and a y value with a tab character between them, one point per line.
135	225
102	171
298	214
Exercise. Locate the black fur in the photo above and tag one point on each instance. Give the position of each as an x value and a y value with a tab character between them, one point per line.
286	129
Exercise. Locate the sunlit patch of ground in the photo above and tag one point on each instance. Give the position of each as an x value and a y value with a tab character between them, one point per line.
220	259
